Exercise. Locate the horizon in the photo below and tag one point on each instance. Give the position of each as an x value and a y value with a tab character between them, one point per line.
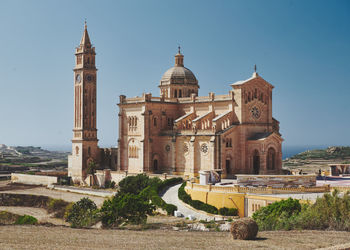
302	48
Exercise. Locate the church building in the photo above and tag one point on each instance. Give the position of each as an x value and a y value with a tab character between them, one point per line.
178	132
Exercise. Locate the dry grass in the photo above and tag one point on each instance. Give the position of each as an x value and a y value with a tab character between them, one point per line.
38	237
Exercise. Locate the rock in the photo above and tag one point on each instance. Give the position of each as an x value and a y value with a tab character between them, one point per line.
225	227
244	229
198	227
178	214
191	217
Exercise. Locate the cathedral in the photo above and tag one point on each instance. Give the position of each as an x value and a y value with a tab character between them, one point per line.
178	132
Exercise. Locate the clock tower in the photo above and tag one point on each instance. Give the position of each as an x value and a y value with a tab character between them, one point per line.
85	152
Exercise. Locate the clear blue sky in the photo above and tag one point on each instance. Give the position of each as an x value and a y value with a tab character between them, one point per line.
301	47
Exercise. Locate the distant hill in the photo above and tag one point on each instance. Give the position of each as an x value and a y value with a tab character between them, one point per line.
324	154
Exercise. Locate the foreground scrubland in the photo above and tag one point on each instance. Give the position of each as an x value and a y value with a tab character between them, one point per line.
39	237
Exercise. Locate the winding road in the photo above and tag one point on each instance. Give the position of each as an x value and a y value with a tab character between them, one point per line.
171	197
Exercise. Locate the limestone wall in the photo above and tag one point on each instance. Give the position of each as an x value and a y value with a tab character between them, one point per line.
277	181
33	179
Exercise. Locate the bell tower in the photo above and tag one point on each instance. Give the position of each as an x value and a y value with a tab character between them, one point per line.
85	152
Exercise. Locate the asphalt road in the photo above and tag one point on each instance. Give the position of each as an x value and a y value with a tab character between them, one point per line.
170	196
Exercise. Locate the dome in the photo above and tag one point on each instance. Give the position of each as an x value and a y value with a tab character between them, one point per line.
178	75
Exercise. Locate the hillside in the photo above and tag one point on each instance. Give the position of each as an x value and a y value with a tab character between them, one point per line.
29	158
311	161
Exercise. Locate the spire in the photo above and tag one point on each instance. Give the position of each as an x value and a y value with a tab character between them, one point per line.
85	40
179	58
255	74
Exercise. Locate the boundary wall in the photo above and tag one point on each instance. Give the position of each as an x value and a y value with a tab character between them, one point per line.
246	199
33	179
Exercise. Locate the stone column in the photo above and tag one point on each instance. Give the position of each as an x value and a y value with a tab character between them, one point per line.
173	154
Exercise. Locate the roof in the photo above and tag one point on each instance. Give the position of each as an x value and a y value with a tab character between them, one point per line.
259	136
200	117
254	76
85	40
182	117
178	75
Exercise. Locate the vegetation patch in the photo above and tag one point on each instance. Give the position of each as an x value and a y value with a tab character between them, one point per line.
137	198
57	206
331	212
7	218
126	208
26	220
83	214
326	154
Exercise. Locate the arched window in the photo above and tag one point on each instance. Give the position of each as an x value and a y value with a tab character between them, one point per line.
271	159
77	150
180	93
175	93
155	121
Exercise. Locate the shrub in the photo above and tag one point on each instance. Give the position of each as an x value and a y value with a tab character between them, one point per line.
329	212
125	207
135	184
278	215
57	206
228	211
26	220
195	203
83	213
110	184
7	218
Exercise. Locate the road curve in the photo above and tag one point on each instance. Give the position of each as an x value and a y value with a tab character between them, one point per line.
171	197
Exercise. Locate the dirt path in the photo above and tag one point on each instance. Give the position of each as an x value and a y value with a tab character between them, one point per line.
35	190
38	237
38	213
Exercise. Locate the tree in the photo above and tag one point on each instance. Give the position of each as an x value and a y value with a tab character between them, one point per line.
125	207
84	213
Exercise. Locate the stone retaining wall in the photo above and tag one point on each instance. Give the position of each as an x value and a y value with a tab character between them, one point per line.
277	181
33	179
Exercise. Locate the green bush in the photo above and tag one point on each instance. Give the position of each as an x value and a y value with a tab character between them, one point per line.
135	184
26	220
329	212
278	215
228	211
83	213
149	188
110	184
332	211
195	203
57	206
125	207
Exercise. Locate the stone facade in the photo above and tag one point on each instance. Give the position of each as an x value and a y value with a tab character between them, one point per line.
179	132
183	133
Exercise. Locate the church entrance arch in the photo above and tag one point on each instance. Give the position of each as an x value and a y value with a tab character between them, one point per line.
256	162
156	163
